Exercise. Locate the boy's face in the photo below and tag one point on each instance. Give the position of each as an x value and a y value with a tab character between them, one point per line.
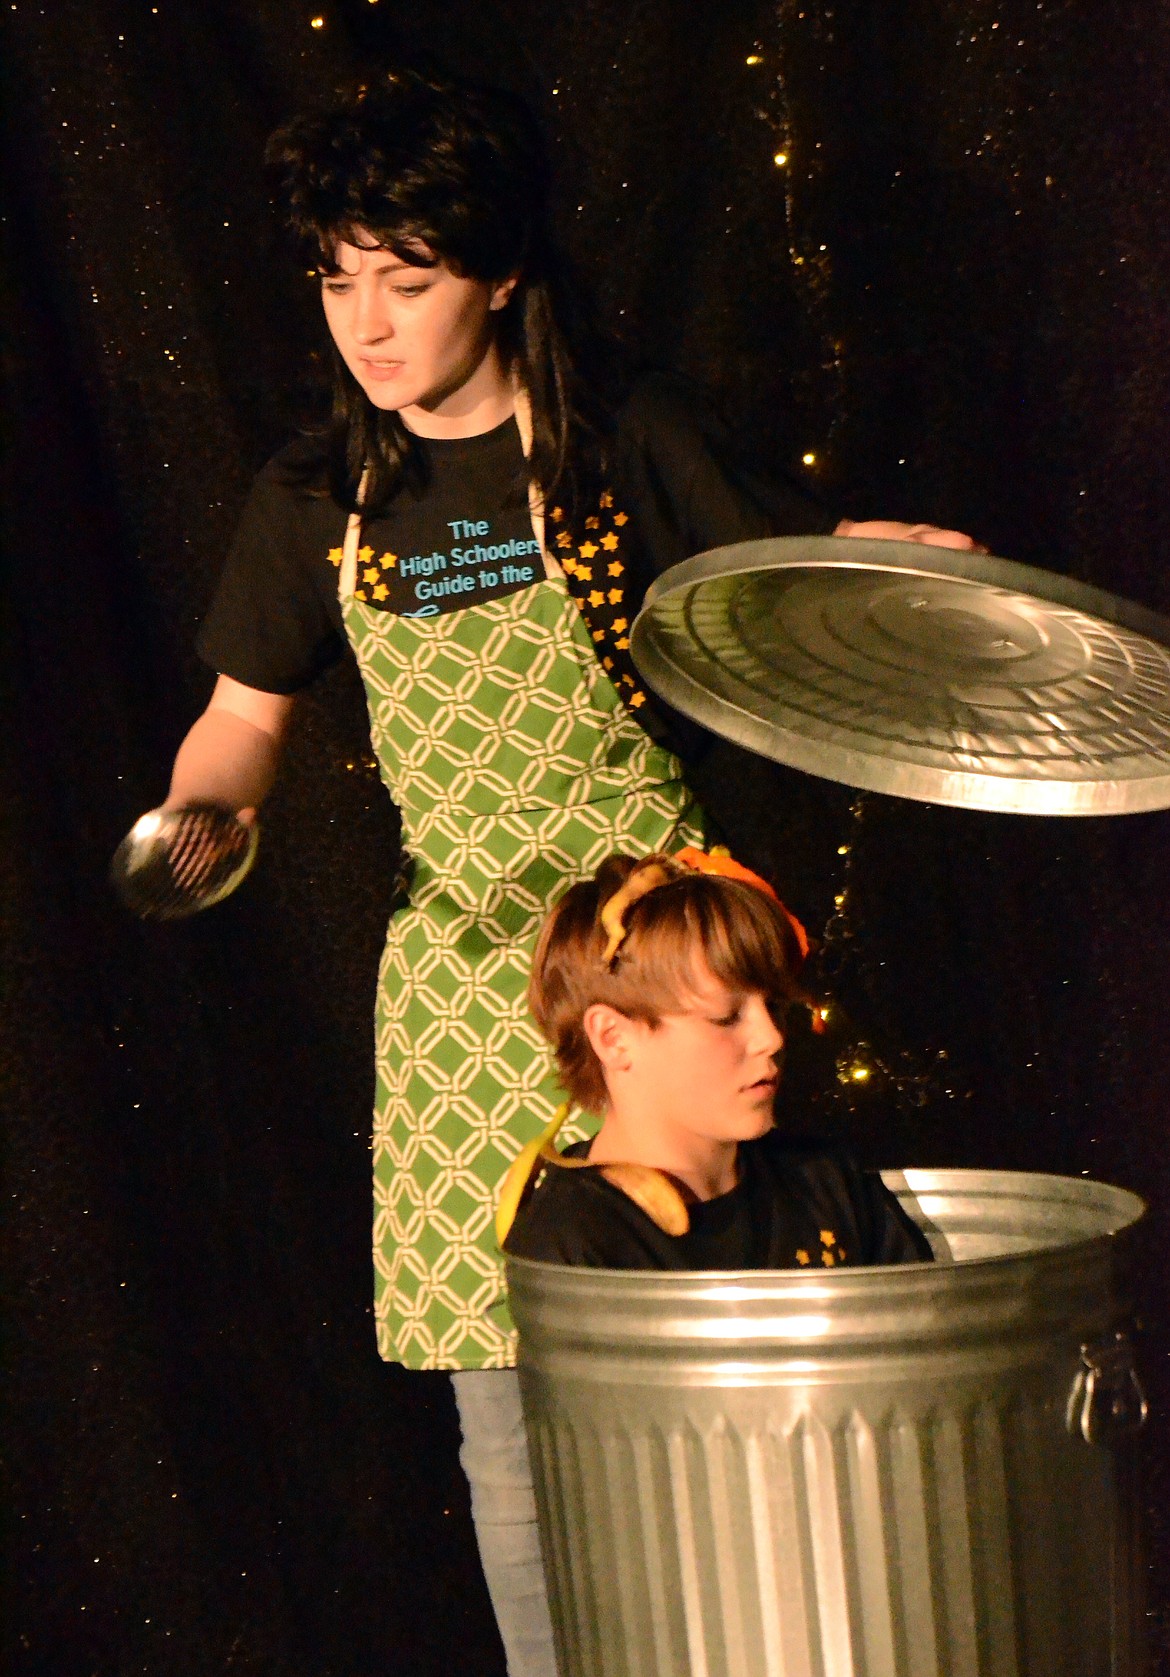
413	337
708	1072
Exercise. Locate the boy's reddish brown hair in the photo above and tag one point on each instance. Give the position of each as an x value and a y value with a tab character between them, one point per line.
743	935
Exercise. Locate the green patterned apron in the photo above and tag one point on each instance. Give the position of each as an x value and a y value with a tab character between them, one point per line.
516	768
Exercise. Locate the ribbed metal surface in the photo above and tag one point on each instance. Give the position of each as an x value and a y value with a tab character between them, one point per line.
925	672
870	1473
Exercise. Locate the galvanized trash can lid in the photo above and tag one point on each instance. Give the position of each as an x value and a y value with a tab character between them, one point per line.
951	677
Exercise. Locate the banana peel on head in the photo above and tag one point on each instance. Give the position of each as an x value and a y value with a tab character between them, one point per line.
650	1189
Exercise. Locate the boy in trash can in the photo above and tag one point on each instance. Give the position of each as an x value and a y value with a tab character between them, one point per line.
663	986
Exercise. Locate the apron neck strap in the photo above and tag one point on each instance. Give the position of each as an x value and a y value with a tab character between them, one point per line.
347	581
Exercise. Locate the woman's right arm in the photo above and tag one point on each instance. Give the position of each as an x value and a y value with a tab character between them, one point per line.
231	754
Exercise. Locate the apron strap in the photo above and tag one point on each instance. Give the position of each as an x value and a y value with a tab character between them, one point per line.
535	503
347	581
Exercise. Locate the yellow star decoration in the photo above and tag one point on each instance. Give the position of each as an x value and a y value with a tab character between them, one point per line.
387	560
620	623
607	663
828	1238
587	549
335	556
615	596
381	591
583	573
557	515
370	574
802	1256
597	598
593	523
616	568
621	518
622	643
610	542
359	593
365	554
637	699
607	502
599	634
564	539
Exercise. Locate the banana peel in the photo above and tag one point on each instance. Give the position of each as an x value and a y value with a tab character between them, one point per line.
650	1189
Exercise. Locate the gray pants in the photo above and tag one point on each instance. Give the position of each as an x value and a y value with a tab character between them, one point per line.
494	1455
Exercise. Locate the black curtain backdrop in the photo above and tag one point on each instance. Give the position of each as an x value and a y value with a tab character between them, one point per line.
952	295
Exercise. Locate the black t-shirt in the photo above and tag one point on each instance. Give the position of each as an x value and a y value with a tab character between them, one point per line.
275	622
798	1205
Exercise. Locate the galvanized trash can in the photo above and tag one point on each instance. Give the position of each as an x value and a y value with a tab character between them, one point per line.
924	1471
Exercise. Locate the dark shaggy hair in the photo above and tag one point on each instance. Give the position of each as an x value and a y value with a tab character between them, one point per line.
745	938
415	158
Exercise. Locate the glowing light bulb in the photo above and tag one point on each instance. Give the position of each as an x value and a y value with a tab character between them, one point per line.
809	459
860	1074
780	159
753	58
317	23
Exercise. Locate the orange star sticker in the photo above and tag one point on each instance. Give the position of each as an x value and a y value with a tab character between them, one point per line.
607	663
620	623
564	539
381	591
556	515
801	1256
359	593
387	560
369	574
583	573
606	498
622	644
597	598
637	699
335	556
621	518
616	568
610	542
569	566
587	549
599	634
593	523
615	596
365	554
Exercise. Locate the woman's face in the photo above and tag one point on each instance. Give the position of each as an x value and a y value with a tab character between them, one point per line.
414	338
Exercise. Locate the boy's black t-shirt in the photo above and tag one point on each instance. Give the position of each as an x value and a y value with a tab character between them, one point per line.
798	1205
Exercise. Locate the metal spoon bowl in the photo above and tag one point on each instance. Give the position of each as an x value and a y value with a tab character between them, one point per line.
174	862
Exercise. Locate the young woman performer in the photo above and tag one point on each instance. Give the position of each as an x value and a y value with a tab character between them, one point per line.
479	521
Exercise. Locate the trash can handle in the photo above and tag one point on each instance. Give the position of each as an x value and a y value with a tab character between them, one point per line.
1107	1401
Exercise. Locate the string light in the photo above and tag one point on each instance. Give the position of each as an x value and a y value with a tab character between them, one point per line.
810	459
780	159
754	58
317	23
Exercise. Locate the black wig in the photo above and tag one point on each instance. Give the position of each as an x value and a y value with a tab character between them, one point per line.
414	159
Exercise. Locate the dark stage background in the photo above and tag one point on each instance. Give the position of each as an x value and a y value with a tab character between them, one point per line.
952	294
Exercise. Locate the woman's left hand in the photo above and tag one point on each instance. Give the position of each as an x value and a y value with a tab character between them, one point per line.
890	530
